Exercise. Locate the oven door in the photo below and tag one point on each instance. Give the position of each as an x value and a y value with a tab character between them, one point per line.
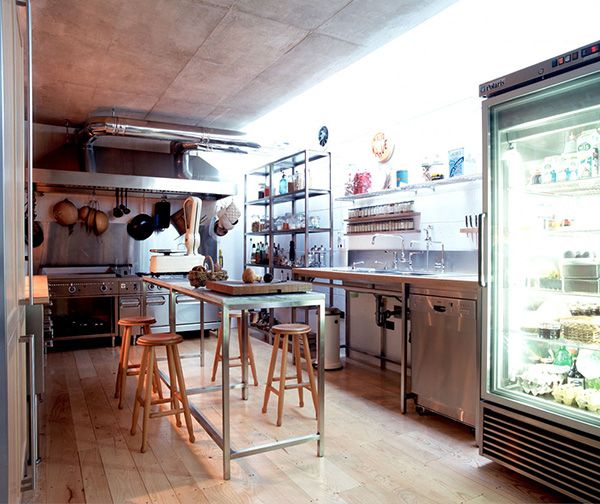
187	313
83	317
130	306
157	306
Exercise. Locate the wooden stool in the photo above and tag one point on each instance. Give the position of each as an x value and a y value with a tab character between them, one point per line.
143	396
125	367
218	356
282	332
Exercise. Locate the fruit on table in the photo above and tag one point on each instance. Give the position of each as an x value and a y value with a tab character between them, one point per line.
248	276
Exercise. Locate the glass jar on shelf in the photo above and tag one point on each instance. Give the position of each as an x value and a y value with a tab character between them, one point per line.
255	224
261	191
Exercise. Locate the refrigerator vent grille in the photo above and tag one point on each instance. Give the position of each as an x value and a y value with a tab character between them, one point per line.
545	452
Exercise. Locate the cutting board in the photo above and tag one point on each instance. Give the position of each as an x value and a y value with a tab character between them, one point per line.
239	288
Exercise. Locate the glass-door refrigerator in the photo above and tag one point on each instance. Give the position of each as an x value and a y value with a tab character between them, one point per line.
539	272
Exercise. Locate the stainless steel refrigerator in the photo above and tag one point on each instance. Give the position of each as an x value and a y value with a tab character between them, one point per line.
539	271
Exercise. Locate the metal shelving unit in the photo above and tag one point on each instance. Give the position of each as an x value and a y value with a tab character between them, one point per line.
299	162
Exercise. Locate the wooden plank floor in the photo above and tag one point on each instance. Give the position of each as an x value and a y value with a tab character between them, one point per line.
373	453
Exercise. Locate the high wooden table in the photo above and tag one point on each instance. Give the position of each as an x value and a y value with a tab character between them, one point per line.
244	303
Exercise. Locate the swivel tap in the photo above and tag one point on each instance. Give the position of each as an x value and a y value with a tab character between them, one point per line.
402	250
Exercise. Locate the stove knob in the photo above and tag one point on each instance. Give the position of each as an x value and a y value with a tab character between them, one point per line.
151	286
72	289
103	288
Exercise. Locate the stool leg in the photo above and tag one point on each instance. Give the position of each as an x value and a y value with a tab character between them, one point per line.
311	375
298	359
282	375
270	373
148	399
138	392
119	368
183	394
250	354
217	353
156	381
173	385
124	364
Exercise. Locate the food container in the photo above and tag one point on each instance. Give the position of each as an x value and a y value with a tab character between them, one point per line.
579	285
549	330
585	271
581	329
566	393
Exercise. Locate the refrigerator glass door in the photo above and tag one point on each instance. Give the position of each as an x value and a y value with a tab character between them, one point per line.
543	324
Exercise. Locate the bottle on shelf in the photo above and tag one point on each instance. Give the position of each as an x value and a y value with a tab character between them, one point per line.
574	376
221	258
283	185
292	252
252	252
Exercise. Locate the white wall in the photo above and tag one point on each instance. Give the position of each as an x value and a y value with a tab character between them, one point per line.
422	90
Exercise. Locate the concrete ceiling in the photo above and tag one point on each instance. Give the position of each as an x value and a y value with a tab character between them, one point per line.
217	63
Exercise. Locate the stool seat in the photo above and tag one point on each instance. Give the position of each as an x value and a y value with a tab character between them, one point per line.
136	321
158	339
282	333
290	329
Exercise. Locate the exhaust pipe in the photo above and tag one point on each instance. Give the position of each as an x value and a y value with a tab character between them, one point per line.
194	137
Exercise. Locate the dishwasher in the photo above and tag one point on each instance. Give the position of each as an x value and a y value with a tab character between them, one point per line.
444	371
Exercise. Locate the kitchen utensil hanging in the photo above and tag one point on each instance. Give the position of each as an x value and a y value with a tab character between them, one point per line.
141	226
125	207
117	212
162	214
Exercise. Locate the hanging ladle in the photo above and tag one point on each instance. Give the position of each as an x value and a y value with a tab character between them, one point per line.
117	212
125	208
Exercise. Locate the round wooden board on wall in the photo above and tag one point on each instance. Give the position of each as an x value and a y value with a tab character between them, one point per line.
382	147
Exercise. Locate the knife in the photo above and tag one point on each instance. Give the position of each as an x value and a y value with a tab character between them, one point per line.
470	221
466	221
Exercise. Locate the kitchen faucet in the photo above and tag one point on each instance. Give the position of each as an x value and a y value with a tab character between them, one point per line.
441	264
402	250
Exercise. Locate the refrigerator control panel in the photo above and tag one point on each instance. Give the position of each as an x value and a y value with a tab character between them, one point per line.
543	70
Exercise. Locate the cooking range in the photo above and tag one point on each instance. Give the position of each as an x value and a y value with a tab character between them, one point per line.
87	301
186	308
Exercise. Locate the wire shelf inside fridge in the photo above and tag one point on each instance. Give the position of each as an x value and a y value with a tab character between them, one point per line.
580	187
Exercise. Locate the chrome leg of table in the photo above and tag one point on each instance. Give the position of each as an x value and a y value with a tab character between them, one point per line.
201	333
321	378
172	307
225	395
244	353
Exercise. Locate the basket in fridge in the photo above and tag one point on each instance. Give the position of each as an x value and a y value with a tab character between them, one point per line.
581	329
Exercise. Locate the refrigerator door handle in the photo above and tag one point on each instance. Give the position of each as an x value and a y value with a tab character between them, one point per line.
481	274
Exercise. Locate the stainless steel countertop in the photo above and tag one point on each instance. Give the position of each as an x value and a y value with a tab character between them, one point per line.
394	280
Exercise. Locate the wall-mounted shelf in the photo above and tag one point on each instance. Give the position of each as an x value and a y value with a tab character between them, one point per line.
382	218
371	233
413	187
289	232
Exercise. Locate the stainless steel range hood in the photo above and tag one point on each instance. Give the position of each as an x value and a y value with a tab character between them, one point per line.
172	166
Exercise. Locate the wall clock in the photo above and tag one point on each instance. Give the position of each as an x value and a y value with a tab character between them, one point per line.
323	136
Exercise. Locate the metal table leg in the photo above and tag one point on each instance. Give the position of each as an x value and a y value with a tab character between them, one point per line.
201	333
172	325
321	378
226	395
244	353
